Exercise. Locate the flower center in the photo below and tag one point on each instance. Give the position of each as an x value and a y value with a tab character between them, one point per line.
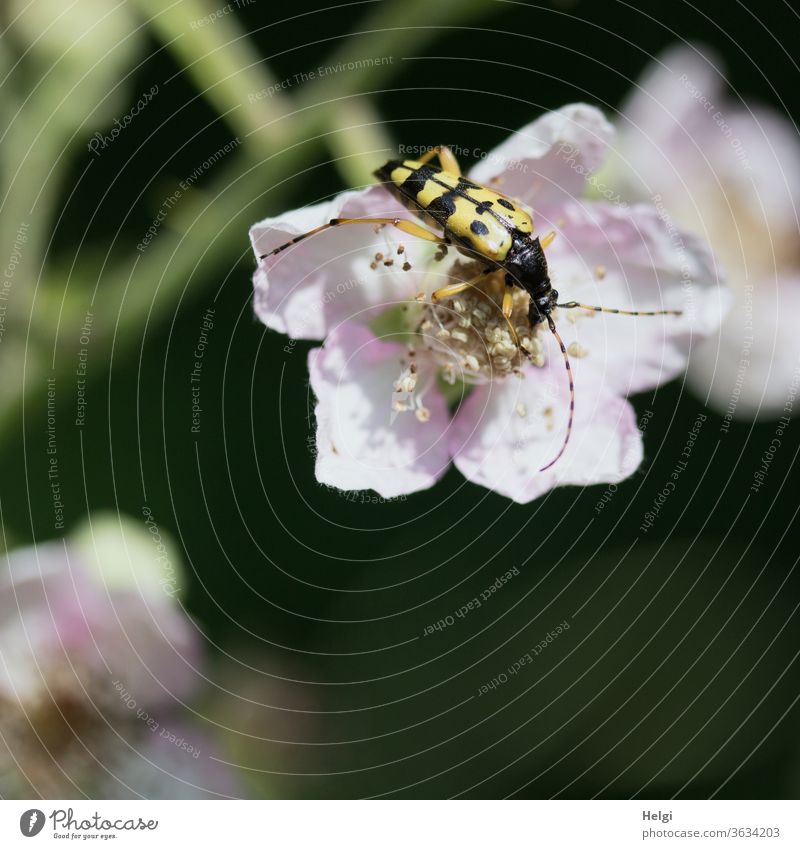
469	336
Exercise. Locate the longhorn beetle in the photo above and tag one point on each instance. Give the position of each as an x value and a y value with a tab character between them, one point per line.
483	224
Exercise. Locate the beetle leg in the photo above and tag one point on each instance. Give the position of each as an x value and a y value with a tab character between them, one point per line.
508	308
410	227
456	288
508	300
548	240
447	159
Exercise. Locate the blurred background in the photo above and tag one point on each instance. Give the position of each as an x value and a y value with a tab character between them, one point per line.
140	142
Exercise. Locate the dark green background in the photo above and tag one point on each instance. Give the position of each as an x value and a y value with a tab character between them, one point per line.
681	657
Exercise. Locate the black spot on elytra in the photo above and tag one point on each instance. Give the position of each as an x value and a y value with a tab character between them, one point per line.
479	228
443	207
415	182
483	206
505	203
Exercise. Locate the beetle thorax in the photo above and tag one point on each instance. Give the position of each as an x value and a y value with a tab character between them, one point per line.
526	266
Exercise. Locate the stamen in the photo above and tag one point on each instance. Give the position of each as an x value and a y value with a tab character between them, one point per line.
403	391
407	395
474	336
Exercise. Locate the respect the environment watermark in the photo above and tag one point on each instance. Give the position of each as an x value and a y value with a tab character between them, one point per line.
303	77
170	202
53	469
744	358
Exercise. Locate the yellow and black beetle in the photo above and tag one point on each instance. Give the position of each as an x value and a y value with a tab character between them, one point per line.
483	224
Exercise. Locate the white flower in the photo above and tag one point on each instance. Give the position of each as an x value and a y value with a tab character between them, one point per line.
383	422
731	172
96	660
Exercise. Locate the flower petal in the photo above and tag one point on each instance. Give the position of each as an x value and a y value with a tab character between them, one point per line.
546	162
726	169
634	258
753	367
59	624
674	93
506	431
360	443
311	287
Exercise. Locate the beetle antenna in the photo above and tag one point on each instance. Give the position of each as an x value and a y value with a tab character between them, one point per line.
574	304
571	394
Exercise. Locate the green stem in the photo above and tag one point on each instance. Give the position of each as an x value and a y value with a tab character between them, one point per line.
358	141
391	32
213	233
205	227
220	59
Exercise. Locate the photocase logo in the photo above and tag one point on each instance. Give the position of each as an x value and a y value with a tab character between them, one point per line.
31	822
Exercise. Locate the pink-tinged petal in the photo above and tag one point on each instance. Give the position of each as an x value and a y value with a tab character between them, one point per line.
327	278
673	95
360	443
725	169
506	431
745	197
751	368
665	132
62	629
546	163
634	258
154	649
771	147
731	171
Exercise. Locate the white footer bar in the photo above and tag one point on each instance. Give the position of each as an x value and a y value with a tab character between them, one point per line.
400	824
